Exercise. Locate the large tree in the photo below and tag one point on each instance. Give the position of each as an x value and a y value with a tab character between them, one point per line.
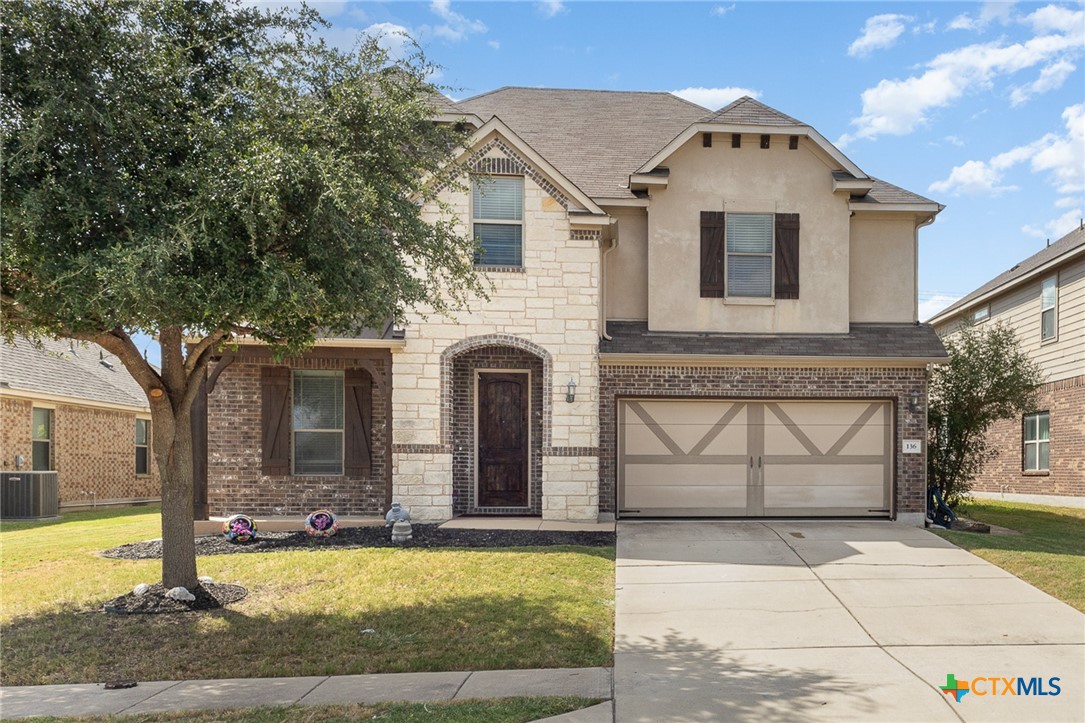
988	377
199	170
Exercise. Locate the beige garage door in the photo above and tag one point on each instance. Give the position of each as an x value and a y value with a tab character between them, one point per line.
739	458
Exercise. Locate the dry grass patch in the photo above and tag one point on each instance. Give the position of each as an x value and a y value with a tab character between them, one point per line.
324	612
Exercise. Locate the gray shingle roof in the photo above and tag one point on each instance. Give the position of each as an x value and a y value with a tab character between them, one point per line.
747	111
884	192
1070	242
596	138
888	341
73	370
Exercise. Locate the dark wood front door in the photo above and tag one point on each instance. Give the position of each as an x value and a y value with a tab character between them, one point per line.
503	439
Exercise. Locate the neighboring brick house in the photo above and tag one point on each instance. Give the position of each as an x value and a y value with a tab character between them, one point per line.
693	313
1041	454
73	408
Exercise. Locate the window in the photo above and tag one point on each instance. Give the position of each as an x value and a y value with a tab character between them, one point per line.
1048	322
318	422
980	314
42	439
143	436
1037	438
497	213
749	254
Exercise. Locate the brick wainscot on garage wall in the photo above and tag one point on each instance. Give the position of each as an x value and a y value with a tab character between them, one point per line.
890	383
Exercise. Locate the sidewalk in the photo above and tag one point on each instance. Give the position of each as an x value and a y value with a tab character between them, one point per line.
168	696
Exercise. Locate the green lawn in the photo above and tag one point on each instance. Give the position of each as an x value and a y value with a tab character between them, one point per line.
1049	552
512	710
330	612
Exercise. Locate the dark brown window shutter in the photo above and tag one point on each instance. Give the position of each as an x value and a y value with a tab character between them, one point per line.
793	143
275	419
706	140
765	141
358	423
712	232
787	256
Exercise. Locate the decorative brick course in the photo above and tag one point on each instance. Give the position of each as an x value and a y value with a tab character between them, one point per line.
1065	401
234	450
94	451
895	384
511	164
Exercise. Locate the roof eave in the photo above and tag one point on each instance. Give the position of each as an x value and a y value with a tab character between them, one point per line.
727	360
1002	288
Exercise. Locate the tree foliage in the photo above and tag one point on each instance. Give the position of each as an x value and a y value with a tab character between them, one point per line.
200	170
988	377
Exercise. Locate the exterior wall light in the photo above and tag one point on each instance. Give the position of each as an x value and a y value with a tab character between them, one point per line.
914	405
570	391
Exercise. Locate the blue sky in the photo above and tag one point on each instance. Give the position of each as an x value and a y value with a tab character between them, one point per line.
980	106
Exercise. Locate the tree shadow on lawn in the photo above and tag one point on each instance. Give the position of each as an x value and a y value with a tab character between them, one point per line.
478	632
1041	531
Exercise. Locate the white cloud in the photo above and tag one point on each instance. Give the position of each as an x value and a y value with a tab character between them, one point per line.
954	141
879	32
989	13
898	107
714	98
456	27
935	303
552	8
1067	202
495	44
1051	78
721	10
1055	19
394	39
1057	227
1061	156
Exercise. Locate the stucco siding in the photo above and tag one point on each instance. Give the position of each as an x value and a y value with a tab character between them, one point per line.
747	179
626	275
882	269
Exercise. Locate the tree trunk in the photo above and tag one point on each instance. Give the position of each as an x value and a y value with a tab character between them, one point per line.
174	457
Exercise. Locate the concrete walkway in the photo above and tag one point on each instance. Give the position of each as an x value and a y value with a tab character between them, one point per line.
830	621
202	695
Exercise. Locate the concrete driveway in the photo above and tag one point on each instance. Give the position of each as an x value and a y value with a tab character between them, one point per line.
830	621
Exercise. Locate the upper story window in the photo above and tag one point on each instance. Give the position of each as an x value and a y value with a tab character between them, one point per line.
41	439
1037	441
749	254
497	217
318	422
1049	292
143	438
981	313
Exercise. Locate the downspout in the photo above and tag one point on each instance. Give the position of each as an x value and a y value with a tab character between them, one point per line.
611	231
915	263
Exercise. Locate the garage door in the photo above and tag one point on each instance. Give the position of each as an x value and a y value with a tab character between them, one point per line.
742	458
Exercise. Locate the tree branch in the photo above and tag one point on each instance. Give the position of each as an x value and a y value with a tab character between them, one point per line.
209	342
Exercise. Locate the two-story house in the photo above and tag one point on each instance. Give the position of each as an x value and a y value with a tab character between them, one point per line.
1039	457
693	313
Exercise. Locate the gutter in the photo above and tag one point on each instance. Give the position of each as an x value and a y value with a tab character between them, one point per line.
603	280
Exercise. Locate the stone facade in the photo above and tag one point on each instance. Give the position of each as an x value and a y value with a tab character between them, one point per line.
896	384
548	310
1065	401
234	455
93	451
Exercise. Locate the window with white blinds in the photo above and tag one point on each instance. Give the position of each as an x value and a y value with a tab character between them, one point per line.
497	213
318	422
749	254
1048	296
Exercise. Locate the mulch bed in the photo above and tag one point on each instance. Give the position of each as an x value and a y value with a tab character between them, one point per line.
425	536
209	596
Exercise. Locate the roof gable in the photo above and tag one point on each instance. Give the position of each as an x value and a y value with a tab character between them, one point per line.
747	111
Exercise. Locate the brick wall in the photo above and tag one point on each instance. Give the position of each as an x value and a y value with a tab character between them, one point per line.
93	451
1065	400
234	453
764	383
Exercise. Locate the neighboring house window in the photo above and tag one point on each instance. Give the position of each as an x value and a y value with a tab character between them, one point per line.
143	436
1048	321
497	214
749	254
318	422
42	439
1037	438
980	314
